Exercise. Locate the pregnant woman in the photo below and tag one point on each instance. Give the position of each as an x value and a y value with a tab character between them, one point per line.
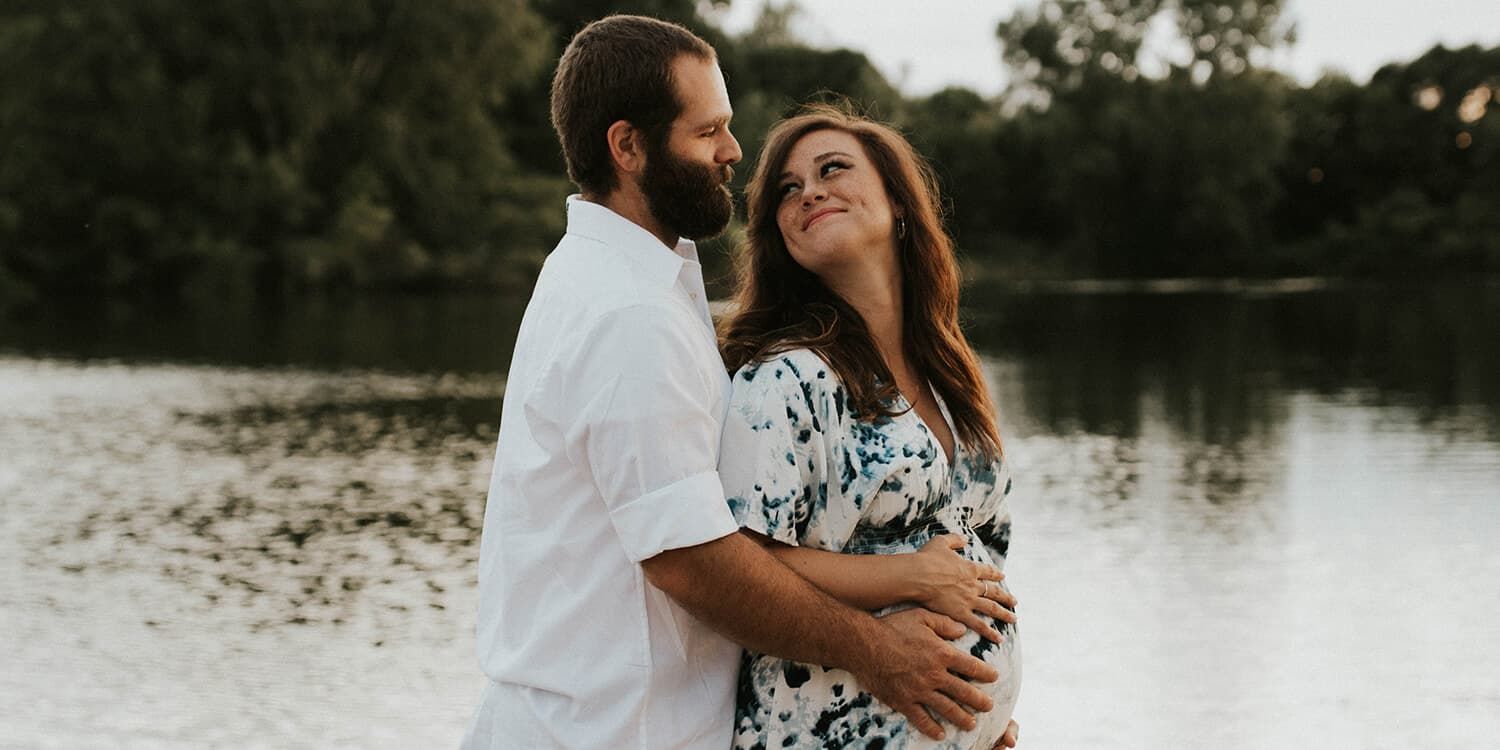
860	444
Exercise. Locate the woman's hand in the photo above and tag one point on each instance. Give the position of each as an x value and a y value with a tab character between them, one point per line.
1011	737
948	583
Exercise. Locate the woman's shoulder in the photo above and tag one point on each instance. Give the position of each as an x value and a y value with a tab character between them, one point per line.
800	378
795	388
792	369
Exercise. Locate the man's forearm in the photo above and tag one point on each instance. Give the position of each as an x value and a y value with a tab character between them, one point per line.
739	589
745	593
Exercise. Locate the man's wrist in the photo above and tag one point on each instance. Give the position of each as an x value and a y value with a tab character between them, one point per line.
864	648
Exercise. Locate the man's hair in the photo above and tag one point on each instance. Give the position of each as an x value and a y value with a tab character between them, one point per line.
616	68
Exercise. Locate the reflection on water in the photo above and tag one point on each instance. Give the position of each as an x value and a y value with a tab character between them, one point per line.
1214	365
406	334
1243	520
205	555
1256	521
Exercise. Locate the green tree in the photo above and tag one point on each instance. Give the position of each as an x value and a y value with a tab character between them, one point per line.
163	145
1063	45
1226	36
1400	175
1060	45
1143	176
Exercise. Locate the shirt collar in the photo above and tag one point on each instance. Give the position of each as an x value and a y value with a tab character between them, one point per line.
597	222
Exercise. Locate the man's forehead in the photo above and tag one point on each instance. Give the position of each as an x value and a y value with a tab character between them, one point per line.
701	90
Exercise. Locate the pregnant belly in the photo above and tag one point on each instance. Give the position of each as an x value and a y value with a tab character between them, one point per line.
799	705
1005	657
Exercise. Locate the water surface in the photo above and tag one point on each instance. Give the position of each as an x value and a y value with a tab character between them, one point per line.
1244	519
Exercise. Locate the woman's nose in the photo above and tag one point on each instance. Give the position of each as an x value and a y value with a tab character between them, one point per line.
811	195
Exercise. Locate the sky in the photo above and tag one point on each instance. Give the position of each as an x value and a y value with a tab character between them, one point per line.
925	46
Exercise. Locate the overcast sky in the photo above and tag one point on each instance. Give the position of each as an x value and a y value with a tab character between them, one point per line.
926	45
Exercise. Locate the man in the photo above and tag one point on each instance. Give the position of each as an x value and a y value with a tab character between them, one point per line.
614	588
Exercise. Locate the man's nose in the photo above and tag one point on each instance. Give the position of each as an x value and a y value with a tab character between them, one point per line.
731	154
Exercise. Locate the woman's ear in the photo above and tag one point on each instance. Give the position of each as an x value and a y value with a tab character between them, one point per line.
627	147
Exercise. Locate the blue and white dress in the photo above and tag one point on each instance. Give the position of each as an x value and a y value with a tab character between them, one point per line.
801	467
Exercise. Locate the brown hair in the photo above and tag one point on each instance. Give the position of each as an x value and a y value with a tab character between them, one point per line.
616	68
779	305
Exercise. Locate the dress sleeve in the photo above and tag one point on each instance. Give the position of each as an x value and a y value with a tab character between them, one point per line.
994	532
647	428
775	452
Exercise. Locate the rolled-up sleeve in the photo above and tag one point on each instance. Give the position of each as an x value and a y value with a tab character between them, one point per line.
649	432
687	512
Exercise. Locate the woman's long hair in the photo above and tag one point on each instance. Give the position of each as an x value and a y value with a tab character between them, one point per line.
779	305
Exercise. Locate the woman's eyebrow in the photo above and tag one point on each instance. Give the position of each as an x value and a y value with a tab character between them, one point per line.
819	159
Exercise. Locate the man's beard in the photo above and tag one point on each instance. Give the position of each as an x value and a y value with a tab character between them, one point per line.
690	199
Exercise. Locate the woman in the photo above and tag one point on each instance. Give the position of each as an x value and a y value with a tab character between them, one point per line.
860	444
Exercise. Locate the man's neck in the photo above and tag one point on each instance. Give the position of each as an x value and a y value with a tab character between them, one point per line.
630	203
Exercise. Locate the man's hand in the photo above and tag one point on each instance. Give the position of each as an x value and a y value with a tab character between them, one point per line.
918	671
904	659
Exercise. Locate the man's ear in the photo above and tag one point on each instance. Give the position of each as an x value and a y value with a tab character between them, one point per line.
627	147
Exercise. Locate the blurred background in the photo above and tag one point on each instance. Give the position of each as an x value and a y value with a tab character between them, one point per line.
1234	272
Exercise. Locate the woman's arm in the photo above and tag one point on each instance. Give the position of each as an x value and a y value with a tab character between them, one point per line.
936	577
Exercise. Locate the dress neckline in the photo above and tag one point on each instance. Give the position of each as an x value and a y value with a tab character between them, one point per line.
950	461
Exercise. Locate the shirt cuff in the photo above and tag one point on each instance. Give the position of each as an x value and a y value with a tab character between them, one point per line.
685	513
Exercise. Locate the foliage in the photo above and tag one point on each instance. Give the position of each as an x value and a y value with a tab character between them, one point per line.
165	147
1401	175
1218	167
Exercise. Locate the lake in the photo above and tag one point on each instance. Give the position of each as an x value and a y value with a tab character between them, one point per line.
1255	516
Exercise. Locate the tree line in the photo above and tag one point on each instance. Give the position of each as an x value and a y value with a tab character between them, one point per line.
173	148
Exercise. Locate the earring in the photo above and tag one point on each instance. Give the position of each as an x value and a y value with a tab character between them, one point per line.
901	227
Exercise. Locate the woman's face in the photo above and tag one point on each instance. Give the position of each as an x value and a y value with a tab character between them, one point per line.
834	211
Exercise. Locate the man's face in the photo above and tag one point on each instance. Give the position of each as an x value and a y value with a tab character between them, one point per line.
686	179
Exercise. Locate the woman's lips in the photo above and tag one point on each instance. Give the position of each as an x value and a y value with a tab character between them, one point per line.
820	214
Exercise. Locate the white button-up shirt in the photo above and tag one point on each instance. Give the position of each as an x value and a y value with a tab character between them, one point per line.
607	453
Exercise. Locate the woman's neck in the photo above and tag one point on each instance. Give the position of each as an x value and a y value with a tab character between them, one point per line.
876	295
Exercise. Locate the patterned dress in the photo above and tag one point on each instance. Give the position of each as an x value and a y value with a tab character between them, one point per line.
801	467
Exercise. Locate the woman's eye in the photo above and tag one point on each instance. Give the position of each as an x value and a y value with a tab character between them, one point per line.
786	189
832	166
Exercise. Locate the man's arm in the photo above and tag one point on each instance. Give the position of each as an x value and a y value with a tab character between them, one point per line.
742	591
